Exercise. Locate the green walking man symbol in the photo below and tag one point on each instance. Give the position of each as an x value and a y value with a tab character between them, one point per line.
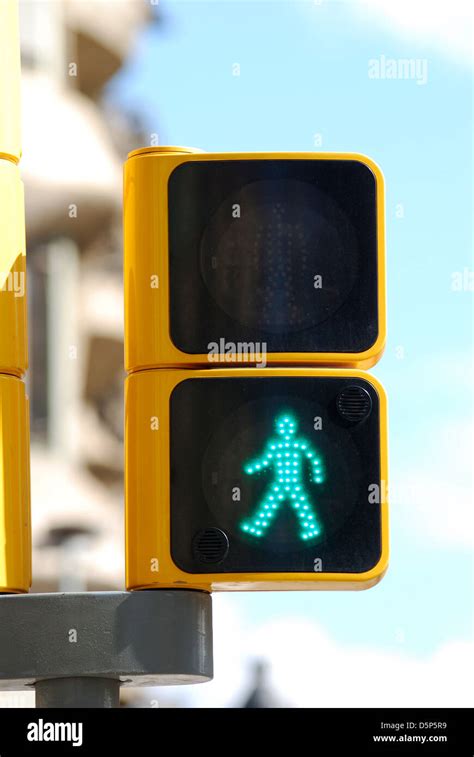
286	455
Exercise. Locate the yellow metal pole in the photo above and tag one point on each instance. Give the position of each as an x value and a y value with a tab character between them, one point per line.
15	528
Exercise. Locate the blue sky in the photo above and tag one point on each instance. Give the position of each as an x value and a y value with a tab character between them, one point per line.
304	71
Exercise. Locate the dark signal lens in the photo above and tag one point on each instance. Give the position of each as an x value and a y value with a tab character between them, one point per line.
270	463
279	255
276	251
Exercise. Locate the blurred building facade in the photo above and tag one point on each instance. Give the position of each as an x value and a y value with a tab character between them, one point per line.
74	145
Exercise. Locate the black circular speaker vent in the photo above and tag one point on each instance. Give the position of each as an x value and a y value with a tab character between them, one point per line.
354	404
210	545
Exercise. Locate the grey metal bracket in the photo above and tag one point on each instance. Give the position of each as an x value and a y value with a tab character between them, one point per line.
78	649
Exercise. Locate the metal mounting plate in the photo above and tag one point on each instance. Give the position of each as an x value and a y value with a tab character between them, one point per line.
143	638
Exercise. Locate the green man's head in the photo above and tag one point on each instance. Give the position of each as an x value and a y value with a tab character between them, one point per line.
286	426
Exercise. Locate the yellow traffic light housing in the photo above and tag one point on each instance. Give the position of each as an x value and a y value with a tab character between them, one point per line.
255	479
253	258
13	334
15	535
10	112
15	527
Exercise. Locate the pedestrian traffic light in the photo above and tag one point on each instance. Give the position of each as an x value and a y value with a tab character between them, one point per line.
255	258
248	479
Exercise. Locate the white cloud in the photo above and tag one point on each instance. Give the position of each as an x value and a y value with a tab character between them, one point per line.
447	27
434	495
309	669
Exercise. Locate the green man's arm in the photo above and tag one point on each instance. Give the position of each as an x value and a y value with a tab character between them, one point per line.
316	463
261	463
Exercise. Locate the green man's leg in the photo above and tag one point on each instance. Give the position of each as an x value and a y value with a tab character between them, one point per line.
308	522
264	514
